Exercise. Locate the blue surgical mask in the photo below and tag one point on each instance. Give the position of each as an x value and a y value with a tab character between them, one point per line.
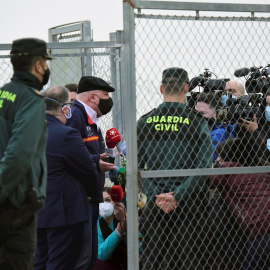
268	144
267	114
224	98
234	97
69	114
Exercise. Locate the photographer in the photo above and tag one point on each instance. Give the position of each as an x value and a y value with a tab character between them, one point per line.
206	106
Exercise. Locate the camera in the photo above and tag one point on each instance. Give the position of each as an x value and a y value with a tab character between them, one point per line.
257	81
209	85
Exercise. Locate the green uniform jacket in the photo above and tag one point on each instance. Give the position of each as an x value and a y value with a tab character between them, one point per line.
23	136
174	137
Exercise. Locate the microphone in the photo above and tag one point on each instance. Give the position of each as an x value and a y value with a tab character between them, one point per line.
242	72
112	174
113	139
116	193
121	176
123	148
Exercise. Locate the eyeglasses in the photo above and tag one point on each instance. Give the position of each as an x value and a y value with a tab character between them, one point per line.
231	90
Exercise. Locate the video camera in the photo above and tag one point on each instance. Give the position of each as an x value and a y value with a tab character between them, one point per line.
204	80
258	80
209	85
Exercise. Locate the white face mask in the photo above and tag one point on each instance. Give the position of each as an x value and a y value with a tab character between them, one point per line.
105	209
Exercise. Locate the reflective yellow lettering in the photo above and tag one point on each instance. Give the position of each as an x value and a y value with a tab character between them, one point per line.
181	119
161	127
176	127
167	127
186	121
13	97
1	103
175	119
3	93
155	119
0	92
169	119
162	119
149	120
157	126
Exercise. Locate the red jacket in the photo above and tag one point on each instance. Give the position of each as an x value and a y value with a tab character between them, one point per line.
248	196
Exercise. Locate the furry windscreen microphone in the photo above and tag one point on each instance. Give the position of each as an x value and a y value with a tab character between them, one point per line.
113	138
116	193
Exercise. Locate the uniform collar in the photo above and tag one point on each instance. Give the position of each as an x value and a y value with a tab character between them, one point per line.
91	115
172	104
28	79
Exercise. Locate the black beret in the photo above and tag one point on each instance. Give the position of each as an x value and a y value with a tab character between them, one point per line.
90	83
30	47
174	72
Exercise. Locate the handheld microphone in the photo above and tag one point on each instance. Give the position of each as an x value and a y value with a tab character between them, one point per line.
124	148
112	174
241	72
121	176
116	193
113	139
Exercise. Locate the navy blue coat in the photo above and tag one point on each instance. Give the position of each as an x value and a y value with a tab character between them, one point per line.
72	176
93	139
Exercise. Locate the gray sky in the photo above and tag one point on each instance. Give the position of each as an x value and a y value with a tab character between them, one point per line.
33	18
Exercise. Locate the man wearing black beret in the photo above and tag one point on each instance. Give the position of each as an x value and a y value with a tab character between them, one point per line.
92	101
22	152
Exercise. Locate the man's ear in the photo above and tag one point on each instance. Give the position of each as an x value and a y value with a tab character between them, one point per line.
38	67
91	96
186	89
161	90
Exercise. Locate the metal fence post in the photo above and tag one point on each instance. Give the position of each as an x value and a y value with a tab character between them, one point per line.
129	109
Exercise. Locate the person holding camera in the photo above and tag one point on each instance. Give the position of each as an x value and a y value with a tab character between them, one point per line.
206	105
23	138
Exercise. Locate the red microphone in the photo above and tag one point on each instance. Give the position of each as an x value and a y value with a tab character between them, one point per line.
116	193
113	139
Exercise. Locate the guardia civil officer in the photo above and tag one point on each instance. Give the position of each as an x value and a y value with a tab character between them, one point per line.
92	102
22	152
173	137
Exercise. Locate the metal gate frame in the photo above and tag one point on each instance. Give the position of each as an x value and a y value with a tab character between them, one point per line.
129	105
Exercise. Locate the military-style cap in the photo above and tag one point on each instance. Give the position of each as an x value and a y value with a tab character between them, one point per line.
178	73
30	47
90	83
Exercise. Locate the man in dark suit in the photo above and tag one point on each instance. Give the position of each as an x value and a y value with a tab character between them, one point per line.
92	102
72	177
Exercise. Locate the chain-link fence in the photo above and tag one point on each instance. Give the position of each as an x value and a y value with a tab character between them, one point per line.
75	59
196	216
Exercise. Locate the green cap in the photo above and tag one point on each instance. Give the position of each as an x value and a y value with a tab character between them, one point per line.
30	47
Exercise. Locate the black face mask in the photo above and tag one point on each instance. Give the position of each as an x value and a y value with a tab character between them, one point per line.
105	105
46	76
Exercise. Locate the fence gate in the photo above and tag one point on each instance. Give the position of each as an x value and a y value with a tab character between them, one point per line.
202	38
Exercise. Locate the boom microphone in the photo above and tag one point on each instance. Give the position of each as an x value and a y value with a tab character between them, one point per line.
116	193
113	139
241	72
